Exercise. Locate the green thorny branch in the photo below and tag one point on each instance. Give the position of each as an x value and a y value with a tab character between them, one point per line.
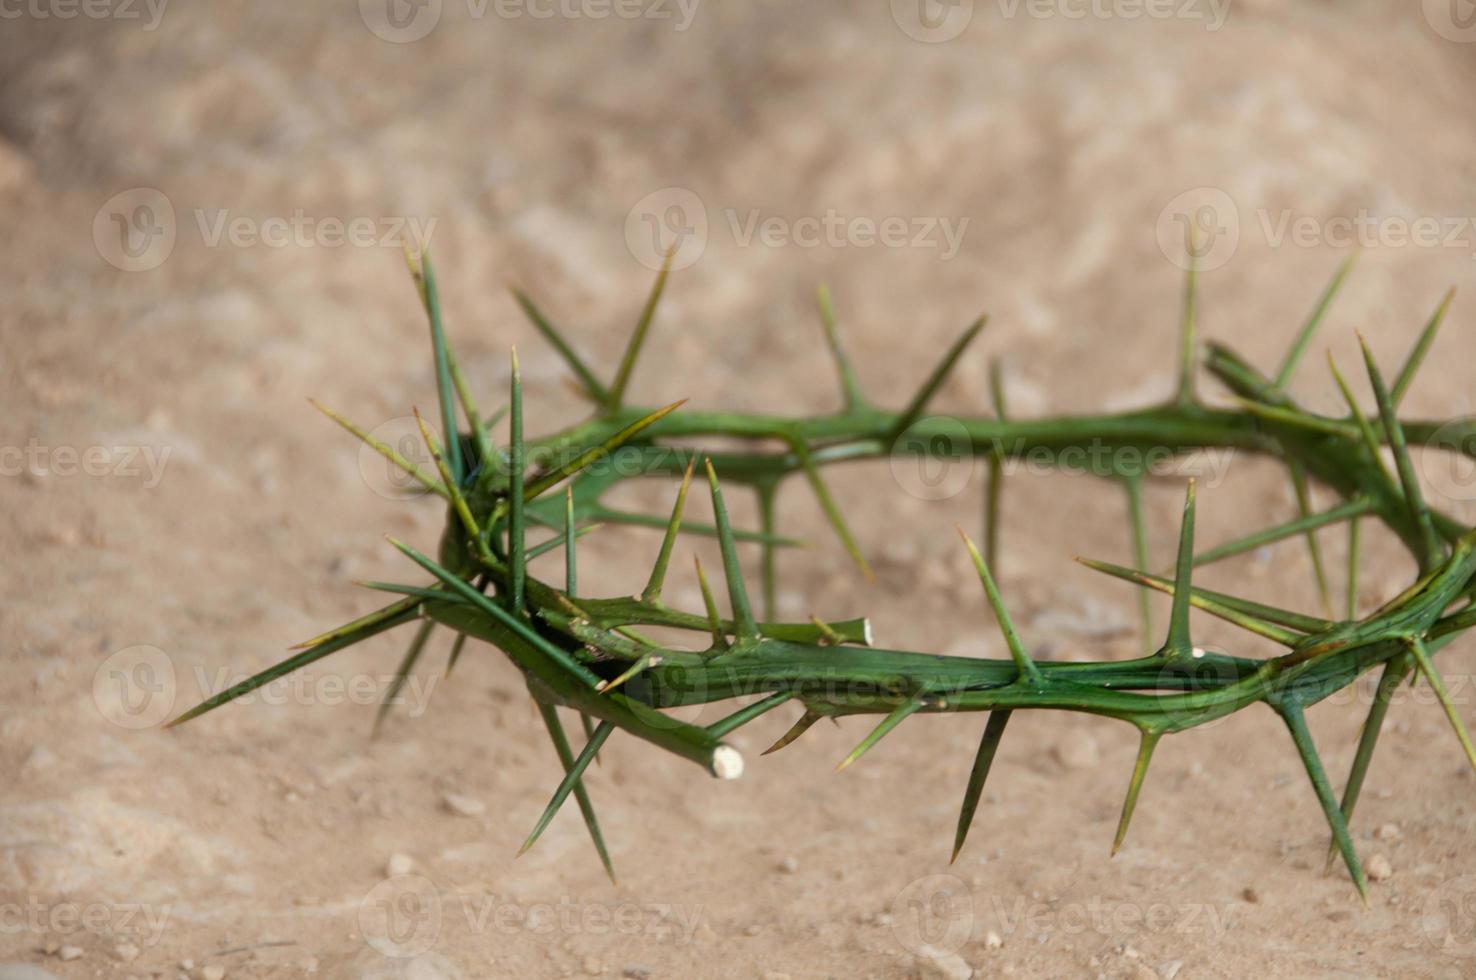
587	654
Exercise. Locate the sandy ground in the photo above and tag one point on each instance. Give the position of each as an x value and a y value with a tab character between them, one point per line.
172	504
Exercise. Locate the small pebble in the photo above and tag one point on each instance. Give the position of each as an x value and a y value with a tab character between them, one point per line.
1076	752
1379	868
69	953
127	952
463	806
213	972
1170	970
752	930
400	864
936	964
789	865
1251	895
1388	831
636	971
993	941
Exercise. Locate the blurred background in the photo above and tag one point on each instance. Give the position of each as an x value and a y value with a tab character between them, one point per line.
204	208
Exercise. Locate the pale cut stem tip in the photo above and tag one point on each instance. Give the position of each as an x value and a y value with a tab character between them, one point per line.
727	762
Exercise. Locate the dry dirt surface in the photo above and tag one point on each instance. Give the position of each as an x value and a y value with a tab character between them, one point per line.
178	182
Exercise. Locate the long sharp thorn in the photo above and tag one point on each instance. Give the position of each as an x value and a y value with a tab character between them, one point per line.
1026	666
652	591
831	508
571	561
994	491
748	713
1296	418
1134	486
1188	327
458	500
743	621
516	532
919	403
638	337
850	386
983	759
1351	510
1394	673
715	622
573	780
1178	643
828	634
387	451
1303	494
1140	770
612	516
891	721
1355	541
768	552
1302	738
547	480
795	731
392	611
1365	430
1262	620
641	663
445	387
1432	551
387	618
456	649
1314	320
1421	348
402	674
588	725
1437	684
591	385
557	541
